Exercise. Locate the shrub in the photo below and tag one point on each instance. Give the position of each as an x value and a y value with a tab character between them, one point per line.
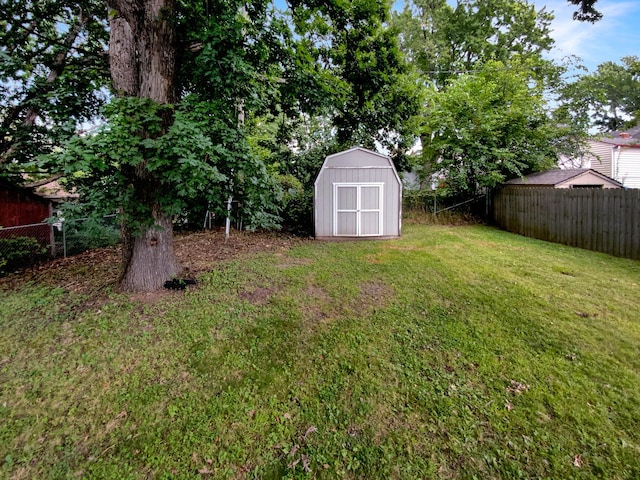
18	252
297	206
90	233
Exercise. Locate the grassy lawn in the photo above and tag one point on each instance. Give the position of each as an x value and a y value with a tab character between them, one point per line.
454	352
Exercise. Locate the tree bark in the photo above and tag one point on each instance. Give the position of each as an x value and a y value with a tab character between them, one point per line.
151	258
142	48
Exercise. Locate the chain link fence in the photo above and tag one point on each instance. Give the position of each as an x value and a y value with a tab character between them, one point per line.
25	245
435	203
77	235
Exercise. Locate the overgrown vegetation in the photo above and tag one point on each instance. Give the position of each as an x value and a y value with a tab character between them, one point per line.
454	352
90	233
19	252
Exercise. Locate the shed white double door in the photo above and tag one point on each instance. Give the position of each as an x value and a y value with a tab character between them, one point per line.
357	209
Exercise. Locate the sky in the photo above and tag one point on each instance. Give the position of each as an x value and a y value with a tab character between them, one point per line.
615	36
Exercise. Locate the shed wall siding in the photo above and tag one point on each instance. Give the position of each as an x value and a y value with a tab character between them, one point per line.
588	179
324	194
17	207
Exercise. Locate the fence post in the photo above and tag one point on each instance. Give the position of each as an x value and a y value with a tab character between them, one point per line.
52	236
227	223
486	205
52	241
435	206
64	240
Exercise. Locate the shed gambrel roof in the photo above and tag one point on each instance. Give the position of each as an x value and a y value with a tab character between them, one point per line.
554	178
358	157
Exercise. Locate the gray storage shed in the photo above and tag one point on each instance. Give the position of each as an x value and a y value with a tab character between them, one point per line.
357	194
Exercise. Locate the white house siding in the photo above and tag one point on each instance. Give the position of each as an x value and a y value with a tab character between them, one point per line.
622	163
627	166
600	158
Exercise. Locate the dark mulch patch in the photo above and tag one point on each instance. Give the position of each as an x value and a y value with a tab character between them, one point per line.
91	271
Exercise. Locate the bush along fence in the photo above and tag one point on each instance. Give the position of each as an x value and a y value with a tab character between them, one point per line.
77	235
25	245
606	221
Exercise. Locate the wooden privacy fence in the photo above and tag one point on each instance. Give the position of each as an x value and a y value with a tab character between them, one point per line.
604	220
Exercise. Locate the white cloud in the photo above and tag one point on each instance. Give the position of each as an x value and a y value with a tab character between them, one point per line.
613	37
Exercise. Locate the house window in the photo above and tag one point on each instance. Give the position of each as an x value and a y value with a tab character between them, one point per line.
587	186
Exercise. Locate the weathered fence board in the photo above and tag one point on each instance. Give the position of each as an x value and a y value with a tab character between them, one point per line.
602	220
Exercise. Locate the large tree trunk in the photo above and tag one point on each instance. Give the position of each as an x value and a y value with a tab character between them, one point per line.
151	258
143	56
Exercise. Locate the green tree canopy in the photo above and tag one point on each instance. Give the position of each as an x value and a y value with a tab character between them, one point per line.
444	41
586	11
488	114
367	92
608	99
489	126
53	74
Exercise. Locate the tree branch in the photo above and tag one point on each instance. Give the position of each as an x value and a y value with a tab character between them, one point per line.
127	9
26	107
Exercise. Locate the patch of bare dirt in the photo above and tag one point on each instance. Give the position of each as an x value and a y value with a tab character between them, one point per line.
88	273
321	308
314	308
91	271
154	297
199	252
257	296
375	294
316	293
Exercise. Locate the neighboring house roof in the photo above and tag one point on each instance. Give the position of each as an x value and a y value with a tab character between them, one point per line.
51	189
556	178
623	138
28	192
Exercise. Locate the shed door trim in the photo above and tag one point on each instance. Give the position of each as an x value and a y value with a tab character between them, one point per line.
358	211
370	167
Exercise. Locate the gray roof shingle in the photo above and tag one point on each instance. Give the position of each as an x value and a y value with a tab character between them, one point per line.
550	177
554	177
